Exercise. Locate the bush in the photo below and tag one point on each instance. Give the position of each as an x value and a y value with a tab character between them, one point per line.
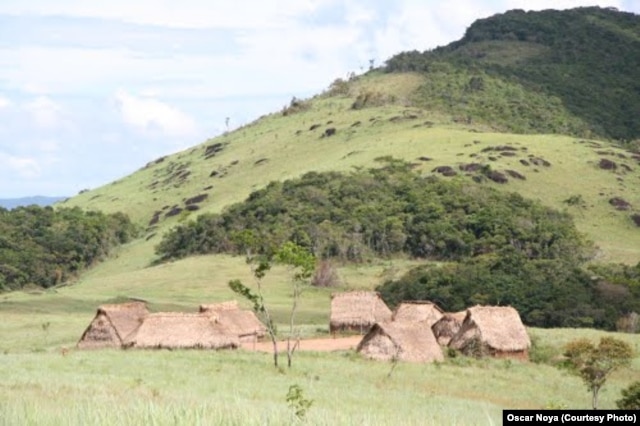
630	398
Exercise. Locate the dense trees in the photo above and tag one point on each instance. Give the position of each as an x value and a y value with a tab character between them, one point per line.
43	246
382	212
571	71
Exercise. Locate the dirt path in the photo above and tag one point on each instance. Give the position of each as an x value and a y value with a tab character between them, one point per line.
320	345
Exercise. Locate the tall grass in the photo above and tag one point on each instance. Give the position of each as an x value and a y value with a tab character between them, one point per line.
241	387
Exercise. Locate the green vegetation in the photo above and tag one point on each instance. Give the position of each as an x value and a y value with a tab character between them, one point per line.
546	292
44	247
594	364
630	398
381	212
571	72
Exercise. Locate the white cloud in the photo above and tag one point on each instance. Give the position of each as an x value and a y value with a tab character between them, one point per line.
45	112
184	14
149	113
5	102
25	167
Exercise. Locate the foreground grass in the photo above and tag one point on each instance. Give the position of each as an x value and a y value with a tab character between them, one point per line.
237	387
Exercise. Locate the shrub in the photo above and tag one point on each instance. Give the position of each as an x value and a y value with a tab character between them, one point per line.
630	398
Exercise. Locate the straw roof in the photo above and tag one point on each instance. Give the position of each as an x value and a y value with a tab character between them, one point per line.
357	310
411	342
112	324
498	329
242	323
447	326
181	330
417	311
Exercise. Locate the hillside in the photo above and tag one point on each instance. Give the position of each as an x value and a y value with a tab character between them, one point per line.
574	72
578	175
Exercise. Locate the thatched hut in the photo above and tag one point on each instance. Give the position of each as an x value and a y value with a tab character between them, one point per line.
448	326
112	325
242	323
357	311
411	342
417	311
492	330
171	330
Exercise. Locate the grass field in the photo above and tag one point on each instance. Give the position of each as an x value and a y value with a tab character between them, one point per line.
50	387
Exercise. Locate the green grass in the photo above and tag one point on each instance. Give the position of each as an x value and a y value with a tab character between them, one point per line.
238	387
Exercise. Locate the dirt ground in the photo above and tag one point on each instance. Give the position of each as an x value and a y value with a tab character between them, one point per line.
319	345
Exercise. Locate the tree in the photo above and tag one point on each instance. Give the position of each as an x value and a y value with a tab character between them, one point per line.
302	265
594	364
302	262
259	267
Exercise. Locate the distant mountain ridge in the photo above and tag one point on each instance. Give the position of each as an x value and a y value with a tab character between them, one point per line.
39	200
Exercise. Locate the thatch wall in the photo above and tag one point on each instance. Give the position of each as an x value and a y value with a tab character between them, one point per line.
492	330
357	311
112	325
171	330
448	326
411	342
417	311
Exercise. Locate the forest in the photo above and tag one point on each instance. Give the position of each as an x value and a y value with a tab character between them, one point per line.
44	247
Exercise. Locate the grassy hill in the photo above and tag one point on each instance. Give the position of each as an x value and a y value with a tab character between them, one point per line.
226	169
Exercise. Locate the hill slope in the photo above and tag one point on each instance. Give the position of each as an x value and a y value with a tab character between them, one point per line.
562	172
584	61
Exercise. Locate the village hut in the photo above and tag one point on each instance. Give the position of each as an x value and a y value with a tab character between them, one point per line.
399	341
447	326
112	325
357	311
172	330
492	330
239	322
417	311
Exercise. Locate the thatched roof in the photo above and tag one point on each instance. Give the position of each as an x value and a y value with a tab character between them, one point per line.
180	330
499	328
357	310
417	311
448	326
412	342
112	324
236	321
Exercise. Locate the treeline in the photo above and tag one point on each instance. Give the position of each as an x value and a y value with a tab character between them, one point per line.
546	292
380	212
43	246
586	60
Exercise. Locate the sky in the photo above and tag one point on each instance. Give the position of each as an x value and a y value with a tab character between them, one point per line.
91	91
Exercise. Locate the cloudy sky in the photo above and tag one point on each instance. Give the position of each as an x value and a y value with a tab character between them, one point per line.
90	91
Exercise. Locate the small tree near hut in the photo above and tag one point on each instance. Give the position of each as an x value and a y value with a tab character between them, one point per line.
301	263
594	364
